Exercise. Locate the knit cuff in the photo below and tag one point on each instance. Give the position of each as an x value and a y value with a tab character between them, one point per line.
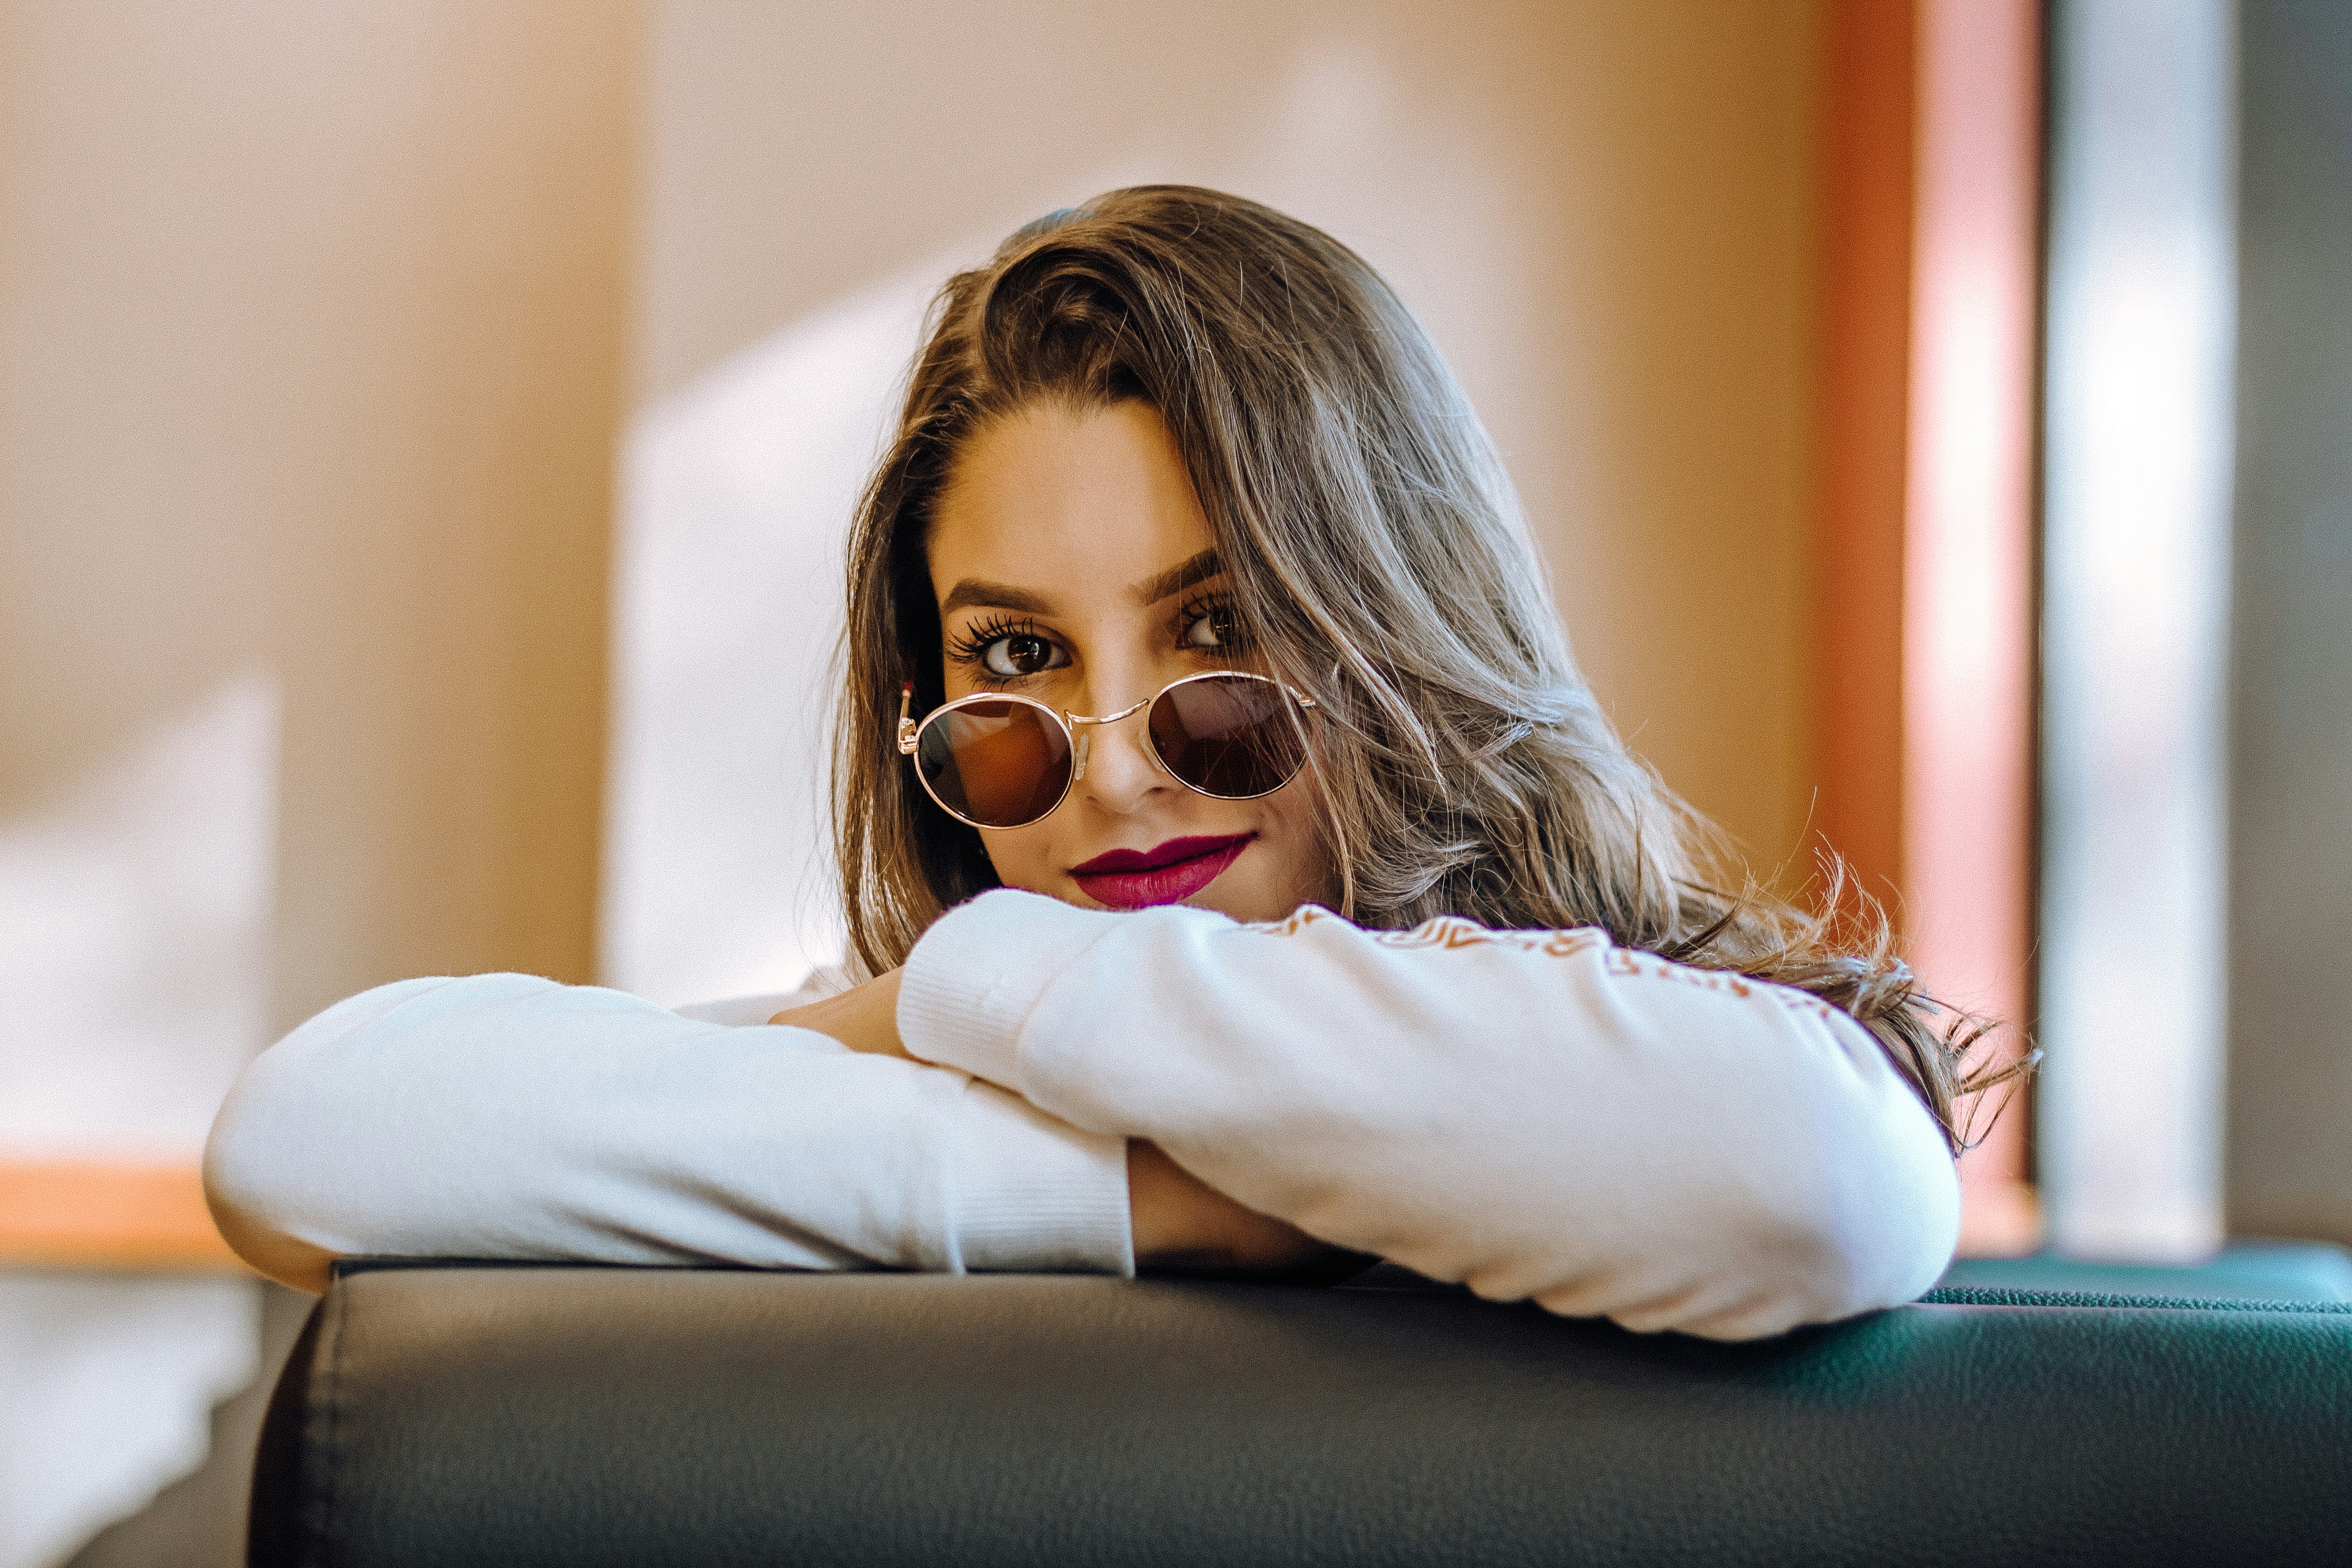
976	976
1034	1194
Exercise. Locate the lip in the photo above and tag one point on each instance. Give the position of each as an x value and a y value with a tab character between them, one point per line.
1164	874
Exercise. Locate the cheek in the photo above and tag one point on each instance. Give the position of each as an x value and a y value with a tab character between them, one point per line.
1023	857
1308	866
1296	867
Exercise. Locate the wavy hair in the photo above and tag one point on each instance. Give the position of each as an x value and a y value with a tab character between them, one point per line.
1379	560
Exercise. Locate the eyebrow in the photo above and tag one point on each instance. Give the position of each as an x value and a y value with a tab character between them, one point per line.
976	591
1177	578
991	596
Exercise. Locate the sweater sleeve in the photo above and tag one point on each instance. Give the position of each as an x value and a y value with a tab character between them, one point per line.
1538	1114
503	1116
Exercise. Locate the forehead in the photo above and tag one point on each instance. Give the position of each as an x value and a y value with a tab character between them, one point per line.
1069	502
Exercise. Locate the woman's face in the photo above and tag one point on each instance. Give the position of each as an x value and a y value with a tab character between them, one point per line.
1072	563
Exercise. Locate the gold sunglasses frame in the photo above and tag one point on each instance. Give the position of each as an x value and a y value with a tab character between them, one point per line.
910	734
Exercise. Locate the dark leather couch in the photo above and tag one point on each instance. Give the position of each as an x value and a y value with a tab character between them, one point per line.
450	1416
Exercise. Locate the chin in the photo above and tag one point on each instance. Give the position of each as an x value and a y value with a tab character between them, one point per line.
1250	904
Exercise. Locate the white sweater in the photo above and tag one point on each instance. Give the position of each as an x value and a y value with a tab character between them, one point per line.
1538	1114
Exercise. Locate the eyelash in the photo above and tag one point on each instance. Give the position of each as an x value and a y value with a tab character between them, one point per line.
1205	605
971	645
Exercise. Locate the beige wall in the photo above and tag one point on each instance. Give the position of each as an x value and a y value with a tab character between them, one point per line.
311	347
310	321
1604	212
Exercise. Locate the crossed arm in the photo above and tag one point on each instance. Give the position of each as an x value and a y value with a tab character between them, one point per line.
1536	1114
1180	1222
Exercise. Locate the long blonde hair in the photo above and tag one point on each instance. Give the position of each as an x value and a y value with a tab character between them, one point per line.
1378	558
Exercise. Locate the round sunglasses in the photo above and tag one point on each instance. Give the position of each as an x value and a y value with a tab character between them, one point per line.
994	760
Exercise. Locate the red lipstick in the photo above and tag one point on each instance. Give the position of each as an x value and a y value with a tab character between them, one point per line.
1165	874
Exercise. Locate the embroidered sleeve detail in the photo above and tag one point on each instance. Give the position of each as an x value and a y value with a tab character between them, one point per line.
1305	915
1450	931
1447	932
1626	964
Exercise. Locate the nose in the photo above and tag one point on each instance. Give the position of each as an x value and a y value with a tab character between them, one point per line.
1115	771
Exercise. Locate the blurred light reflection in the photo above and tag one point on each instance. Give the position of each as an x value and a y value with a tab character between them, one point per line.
2141	329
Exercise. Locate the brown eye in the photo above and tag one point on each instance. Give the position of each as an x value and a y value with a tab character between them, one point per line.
1021	653
1213	627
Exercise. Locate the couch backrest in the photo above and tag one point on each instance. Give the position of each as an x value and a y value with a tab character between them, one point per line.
455	1416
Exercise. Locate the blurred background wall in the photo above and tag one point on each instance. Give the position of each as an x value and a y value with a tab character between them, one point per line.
311	344
2290	1052
312	335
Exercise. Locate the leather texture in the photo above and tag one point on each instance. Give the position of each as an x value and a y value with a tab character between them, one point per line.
516	1416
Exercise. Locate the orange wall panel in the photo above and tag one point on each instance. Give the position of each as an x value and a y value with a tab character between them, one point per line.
94	1215
1865	345
1922	707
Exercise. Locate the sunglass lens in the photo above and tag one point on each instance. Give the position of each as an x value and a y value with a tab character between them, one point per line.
1231	735
1000	764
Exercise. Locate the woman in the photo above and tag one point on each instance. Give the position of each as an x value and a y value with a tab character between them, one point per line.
1191	596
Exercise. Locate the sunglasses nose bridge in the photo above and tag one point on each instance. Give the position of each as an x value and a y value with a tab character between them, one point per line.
1082	726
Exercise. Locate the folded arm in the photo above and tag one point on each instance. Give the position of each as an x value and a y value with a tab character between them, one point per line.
1180	1223
503	1116
1538	1114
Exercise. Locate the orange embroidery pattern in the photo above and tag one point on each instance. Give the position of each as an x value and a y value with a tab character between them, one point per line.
1622	962
1450	931
1633	965
1300	918
1447	932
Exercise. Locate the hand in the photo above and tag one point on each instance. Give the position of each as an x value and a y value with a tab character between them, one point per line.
1184	1225
864	1017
